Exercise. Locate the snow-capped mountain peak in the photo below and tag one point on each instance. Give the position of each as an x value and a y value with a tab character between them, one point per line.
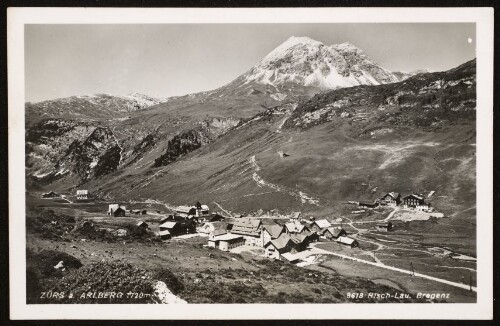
345	46
308	62
420	71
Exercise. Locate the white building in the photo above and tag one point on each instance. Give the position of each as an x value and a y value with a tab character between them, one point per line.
226	242
82	194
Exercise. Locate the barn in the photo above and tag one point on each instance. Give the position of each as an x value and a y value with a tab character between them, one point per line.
384	227
120	211
348	242
179	227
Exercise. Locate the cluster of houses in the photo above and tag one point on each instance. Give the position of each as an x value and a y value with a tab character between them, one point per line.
80	194
393	199
121	210
186	219
279	241
51	194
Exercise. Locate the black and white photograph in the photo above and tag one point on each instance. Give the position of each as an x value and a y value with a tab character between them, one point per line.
253	163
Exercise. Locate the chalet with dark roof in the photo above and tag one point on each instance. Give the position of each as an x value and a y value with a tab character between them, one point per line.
413	200
179	227
270	232
385	227
390	199
276	247
348	242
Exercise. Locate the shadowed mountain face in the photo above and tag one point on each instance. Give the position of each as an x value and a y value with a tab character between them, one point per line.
345	144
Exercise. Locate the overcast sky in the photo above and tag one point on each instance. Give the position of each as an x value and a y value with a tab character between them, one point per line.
166	60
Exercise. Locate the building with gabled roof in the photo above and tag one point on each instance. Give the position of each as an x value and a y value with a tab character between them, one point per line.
300	241
186	210
214	217
413	200
270	232
179	227
390	199
142	224
217	232
295	227
319	225
276	247
348	241
197	210
164	235
425	207
250	229
167	225
387	226
333	233
112	208
290	258
120	211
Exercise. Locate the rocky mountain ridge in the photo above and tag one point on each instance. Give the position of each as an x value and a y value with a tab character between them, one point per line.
308	62
95	106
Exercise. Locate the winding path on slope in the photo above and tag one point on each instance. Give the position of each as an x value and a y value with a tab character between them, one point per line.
302	196
222	209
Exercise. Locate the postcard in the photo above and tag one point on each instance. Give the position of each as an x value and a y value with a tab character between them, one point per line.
278	163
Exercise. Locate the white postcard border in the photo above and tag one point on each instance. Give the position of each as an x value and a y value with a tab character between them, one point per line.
483	17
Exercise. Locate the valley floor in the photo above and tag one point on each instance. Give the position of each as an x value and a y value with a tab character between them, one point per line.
383	258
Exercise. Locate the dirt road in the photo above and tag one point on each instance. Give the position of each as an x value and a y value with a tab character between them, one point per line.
381	265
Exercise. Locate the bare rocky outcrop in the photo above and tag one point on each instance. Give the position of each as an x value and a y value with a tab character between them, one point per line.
163	295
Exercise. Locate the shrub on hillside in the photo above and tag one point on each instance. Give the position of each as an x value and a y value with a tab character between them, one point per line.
86	284
44	261
173	283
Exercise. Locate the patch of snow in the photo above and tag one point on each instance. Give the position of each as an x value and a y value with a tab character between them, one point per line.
163	295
